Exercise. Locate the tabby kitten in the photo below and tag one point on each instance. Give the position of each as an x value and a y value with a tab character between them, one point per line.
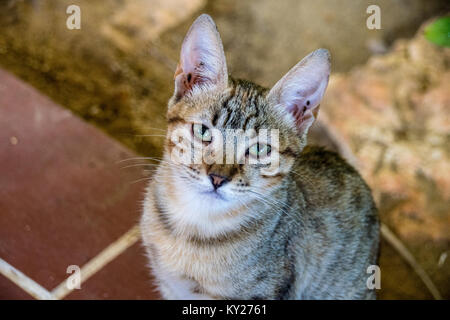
305	228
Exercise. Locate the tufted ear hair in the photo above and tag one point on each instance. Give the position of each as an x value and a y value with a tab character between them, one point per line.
202	60
300	91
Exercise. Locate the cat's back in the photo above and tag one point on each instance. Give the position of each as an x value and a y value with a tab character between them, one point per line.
341	226
327	181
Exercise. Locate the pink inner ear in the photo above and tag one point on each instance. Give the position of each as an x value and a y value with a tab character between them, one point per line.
202	60
300	111
304	107
187	79
197	66
302	88
303	104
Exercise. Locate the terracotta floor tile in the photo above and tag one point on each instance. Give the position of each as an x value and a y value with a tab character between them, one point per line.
127	277
63	196
9	291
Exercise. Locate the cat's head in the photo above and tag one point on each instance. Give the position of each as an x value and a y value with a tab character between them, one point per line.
210	115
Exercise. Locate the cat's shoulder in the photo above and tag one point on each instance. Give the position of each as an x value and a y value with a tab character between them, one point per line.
327	180
320	159
325	169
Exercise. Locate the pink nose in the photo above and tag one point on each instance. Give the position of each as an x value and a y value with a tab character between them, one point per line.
217	181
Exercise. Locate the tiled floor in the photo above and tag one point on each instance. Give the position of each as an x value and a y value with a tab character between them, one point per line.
64	199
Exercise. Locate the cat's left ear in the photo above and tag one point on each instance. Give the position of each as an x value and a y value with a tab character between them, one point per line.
202	60
300	91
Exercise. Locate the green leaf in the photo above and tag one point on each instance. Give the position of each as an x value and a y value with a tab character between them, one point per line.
438	32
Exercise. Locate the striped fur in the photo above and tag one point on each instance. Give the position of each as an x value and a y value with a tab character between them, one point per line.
306	230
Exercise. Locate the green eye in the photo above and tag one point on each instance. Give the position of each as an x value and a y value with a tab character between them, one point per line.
201	132
259	150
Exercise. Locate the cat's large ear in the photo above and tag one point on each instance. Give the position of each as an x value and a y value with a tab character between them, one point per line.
202	60
300	91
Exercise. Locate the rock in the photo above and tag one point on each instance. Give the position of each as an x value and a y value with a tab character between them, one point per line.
393	113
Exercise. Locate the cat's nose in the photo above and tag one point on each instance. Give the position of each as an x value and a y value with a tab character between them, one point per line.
217	181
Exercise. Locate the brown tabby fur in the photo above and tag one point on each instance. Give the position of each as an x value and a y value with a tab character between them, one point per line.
308	231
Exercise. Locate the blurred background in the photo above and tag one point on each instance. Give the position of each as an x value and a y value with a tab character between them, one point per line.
386	110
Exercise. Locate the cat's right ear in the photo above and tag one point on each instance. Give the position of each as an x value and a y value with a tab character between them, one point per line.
202	62
300	91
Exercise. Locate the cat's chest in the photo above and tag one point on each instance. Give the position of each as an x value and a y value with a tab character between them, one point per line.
210	264
204	262
208	267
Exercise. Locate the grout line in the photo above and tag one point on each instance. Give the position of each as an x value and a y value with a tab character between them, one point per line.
24	282
102	259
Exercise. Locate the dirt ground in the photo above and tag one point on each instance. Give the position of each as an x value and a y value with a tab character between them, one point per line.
119	78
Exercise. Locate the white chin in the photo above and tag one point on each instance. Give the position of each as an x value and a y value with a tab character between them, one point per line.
214	195
211	202
200	207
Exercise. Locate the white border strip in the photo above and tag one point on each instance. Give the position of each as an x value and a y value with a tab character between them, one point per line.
102	259
24	282
91	267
